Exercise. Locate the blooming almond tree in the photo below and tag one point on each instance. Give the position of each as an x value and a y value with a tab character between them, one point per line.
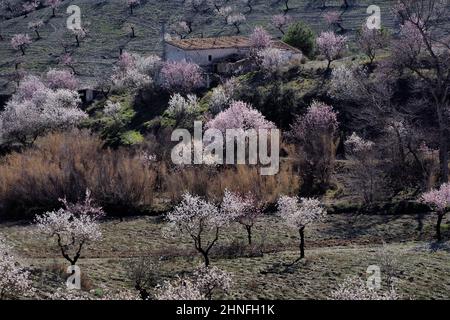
260	39
422	51
54	4
222	95
200	220
73	227
271	59
298	213
365	169
79	34
371	40
239	115
35	26
179	289
67	60
181	107
21	42
355	288
244	209
281	21
64	294
331	46
236	19
182	29
439	200
334	19
211	279
35	109
14	280
30	6
181	76
315	133
61	79
134	71
224	12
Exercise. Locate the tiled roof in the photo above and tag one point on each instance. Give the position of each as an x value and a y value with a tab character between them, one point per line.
222	43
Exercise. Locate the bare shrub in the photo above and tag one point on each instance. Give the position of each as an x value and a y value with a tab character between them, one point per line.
64	165
210	182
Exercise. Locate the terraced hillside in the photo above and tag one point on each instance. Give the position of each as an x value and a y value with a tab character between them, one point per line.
108	22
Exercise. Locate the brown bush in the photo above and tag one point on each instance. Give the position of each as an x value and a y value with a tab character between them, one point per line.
65	165
211	182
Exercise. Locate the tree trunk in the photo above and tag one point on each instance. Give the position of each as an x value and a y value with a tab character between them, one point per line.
37	33
328	67
206	258
22	49
302	242
443	156
438	227
53	12
249	234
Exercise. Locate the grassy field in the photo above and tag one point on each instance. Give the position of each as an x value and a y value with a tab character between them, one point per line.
107	22
341	246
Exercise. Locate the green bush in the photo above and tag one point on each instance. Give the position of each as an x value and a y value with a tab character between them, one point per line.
301	36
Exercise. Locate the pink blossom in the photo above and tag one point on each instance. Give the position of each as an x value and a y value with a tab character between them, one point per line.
239	115
299	213
438	198
331	45
355	288
181	76
357	145
211	279
200	220
66	59
260	39
28	87
53	3
236	19
179	289
409	45
280	21
332	17
30	6
244	209
320	118
134	71
271	59
20	42
61	79
73	226
14	280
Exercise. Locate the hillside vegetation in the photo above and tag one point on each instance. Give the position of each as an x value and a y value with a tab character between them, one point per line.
108	24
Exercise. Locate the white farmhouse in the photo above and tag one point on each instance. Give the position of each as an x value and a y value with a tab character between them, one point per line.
209	52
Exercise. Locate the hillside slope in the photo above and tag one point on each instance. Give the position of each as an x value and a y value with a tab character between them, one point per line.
108	24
